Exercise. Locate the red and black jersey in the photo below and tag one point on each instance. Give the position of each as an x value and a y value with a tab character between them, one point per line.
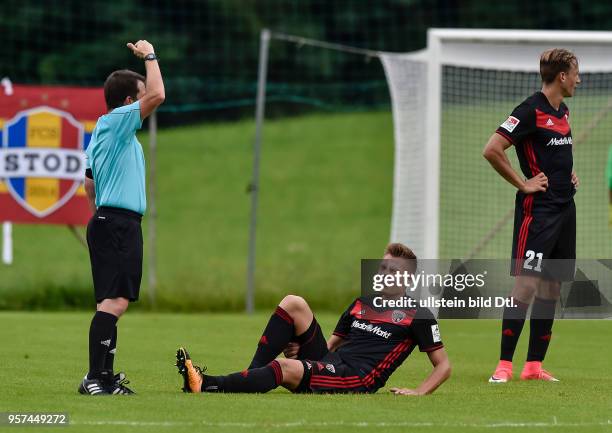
543	140
378	340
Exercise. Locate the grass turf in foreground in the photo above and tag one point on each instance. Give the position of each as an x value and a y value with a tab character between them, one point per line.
45	356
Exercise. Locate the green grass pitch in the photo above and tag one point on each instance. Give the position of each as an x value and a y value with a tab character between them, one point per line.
45	355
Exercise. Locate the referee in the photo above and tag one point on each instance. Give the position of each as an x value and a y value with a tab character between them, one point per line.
115	185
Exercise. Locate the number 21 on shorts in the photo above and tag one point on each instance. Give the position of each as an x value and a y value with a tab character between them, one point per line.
530	255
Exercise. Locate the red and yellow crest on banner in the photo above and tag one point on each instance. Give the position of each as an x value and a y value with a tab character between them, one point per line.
45	131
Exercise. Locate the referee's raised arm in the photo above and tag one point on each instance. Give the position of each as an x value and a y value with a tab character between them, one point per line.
155	93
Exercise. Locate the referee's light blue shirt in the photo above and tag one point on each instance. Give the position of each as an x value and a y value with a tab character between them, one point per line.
116	160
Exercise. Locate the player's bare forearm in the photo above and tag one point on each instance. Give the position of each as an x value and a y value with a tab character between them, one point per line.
334	342
90	191
440	373
155	92
495	153
293	348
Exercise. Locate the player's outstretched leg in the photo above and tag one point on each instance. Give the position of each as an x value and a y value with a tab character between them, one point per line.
541	323
291	320
285	372
512	326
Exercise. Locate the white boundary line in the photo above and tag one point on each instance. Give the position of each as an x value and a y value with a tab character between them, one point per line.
365	424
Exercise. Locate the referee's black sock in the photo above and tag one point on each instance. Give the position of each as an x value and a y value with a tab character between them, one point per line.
540	324
262	379
112	349
278	333
512	325
100	335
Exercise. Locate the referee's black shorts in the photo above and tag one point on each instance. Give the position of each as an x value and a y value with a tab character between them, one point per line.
114	237
544	242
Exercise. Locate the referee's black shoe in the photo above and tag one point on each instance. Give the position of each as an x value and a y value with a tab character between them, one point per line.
118	386
97	386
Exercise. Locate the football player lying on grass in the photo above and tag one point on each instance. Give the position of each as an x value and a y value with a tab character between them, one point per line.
366	347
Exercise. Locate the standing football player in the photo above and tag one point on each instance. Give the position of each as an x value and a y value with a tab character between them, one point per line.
115	185
545	214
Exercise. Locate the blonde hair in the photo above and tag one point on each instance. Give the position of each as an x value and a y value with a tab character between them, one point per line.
555	61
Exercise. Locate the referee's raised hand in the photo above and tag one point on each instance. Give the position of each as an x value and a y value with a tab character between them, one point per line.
141	48
536	184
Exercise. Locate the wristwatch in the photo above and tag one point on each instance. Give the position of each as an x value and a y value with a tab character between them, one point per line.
150	56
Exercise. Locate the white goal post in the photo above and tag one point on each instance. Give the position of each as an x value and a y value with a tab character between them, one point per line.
416	85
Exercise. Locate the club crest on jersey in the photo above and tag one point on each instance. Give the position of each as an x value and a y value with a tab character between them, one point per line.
510	123
397	316
330	368
42	158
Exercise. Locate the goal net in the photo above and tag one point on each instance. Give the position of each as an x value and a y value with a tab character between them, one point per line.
448	100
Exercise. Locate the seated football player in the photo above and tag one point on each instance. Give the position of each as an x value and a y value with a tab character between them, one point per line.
368	344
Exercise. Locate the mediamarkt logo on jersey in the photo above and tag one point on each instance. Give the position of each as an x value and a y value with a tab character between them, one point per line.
559	141
370	328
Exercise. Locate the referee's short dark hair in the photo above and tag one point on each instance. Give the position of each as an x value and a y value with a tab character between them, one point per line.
555	61
119	85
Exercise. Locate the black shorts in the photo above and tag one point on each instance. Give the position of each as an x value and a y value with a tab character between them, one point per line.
324	371
114	237
544	241
330	375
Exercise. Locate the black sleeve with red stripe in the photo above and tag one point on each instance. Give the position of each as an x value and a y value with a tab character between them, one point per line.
344	323
520	124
